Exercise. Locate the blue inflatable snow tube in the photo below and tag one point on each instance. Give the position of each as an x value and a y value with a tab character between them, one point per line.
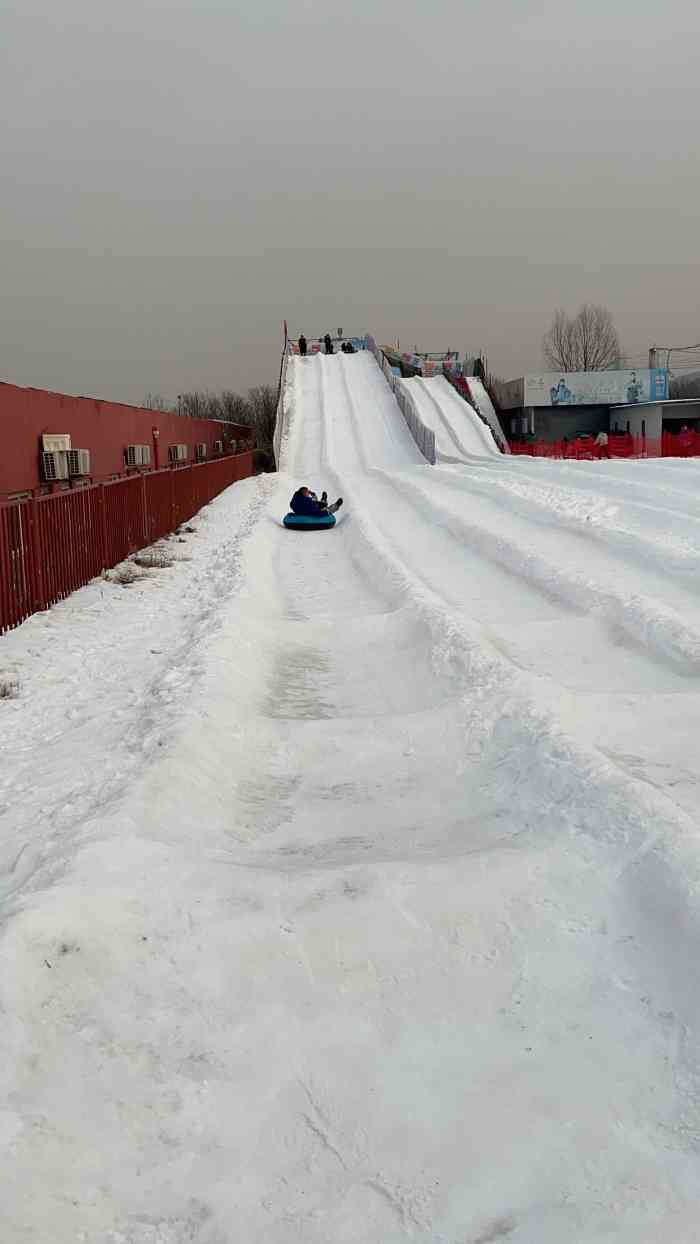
309	522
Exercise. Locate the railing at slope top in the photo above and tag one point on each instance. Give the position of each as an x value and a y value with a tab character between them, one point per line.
50	546
422	435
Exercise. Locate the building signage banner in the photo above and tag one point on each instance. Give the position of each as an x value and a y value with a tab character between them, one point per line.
596	388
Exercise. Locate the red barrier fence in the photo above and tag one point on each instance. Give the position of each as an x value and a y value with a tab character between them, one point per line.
50	546
583	448
684	445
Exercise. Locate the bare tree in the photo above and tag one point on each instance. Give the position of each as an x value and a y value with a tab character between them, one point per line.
262	406
257	411
200	404
586	342
192	404
234	408
154	401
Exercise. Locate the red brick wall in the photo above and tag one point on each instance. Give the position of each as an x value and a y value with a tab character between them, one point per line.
105	428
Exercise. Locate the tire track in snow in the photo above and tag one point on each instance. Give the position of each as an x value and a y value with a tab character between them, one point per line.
589	763
666	484
543	506
660	629
564	477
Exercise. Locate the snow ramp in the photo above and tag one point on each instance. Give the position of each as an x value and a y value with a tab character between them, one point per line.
459	432
486	408
340	415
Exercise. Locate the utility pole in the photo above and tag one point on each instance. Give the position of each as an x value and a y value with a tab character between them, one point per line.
671	350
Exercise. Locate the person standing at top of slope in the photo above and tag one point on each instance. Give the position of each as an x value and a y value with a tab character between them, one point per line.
305	502
328	343
302	346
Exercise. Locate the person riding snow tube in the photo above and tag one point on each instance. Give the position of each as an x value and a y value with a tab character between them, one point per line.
309	513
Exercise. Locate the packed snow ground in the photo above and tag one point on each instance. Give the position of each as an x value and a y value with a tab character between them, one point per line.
350	880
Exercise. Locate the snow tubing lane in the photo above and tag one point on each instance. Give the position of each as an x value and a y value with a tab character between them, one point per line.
309	522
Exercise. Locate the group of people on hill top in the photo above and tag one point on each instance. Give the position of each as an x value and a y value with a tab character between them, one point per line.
347	347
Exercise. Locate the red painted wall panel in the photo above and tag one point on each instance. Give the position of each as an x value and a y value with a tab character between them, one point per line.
105	428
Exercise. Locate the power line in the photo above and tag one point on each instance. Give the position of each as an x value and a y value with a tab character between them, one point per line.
671	350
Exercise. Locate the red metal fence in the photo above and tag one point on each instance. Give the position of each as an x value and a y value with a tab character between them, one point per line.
624	446
684	445
50	546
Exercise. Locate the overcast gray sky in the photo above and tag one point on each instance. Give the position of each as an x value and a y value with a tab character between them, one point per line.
180	175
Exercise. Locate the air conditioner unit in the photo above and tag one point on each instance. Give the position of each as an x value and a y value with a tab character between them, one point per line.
78	461
201	451
218	447
55	442
138	455
55	465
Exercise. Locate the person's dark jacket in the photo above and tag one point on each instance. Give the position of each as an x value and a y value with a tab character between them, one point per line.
301	504
302	344
328	343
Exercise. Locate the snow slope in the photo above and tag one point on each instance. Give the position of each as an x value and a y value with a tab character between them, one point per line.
364	908
480	397
459	433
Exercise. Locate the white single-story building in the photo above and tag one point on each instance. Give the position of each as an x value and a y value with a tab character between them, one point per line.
650	419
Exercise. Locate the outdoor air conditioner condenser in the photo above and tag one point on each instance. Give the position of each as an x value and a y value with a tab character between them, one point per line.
55	465
78	461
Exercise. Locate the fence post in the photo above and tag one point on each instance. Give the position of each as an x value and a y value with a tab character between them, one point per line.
37	556
103	526
144	512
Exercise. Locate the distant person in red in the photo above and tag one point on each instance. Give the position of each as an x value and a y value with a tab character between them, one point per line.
601	441
302	345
